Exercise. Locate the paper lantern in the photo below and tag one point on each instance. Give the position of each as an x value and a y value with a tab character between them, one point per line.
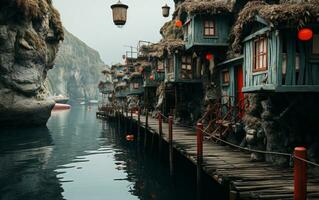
178	23
305	34
209	56
152	77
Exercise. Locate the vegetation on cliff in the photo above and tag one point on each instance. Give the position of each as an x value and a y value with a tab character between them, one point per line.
77	70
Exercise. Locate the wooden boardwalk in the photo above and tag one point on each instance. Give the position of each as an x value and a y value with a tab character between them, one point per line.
229	166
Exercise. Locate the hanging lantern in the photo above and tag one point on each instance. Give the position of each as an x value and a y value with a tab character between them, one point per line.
209	56
152	77
305	34
165	10
119	11
178	23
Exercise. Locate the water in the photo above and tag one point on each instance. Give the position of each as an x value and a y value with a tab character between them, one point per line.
79	157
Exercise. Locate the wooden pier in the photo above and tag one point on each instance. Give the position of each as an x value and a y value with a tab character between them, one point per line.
231	167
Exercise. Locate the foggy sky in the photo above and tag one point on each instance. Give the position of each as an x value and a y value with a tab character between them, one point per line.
91	21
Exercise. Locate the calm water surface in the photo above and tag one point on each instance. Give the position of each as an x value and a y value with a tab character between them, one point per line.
80	157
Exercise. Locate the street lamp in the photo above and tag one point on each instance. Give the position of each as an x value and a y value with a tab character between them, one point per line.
165	10
119	11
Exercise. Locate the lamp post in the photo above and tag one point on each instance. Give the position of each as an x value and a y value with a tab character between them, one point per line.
119	11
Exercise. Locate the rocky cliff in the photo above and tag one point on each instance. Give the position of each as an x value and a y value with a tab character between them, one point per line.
77	70
30	31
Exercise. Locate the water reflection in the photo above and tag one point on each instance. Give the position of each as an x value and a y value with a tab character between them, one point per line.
79	157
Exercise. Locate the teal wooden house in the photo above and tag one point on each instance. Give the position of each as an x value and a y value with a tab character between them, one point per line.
136	84
276	60
106	87
206	31
153	73
181	67
121	90
231	84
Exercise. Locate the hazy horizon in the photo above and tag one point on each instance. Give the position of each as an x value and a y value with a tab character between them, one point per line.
91	21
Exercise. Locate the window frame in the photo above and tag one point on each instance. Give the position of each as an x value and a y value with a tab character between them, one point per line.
186	66
225	73
260	55
209	27
136	85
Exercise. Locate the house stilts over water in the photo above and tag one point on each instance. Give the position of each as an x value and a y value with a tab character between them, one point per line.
248	70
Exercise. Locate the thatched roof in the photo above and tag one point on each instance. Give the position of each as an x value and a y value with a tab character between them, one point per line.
193	7
288	13
170	31
135	75
165	45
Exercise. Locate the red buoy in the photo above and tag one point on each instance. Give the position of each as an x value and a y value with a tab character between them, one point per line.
178	23
130	137
305	34
209	56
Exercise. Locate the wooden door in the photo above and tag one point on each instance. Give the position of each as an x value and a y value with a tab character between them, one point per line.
239	94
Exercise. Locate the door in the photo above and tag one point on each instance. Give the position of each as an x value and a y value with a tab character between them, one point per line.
239	94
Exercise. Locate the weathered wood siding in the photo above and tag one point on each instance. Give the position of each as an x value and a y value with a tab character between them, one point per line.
265	80
196	35
284	49
307	77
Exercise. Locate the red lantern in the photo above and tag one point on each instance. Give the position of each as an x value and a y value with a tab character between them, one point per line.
209	56
178	23
305	34
151	77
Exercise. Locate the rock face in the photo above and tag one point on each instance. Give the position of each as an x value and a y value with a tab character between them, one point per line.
30	32
77	71
279	123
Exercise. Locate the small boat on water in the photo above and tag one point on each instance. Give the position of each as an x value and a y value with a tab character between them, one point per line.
93	101
60	99
61	106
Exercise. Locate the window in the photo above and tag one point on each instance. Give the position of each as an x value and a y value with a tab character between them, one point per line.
170	65
136	85
209	28
186	71
225	77
315	44
260	55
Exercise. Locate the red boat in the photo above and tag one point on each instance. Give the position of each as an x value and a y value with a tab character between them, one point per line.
60	106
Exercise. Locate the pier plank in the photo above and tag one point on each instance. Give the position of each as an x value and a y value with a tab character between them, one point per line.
250	180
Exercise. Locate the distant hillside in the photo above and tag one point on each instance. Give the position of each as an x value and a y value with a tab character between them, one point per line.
77	70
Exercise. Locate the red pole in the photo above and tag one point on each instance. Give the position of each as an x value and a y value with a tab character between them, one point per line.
199	134
160	124
300	174
170	142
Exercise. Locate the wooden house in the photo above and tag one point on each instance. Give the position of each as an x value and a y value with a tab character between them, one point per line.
230	73
275	58
136	84
206	27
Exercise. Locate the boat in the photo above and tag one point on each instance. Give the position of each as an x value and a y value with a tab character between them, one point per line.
60	99
93	101
61	106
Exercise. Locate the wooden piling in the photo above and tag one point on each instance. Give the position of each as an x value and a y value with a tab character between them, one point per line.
139	124
146	128
300	174
160	128
199	136
170	141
